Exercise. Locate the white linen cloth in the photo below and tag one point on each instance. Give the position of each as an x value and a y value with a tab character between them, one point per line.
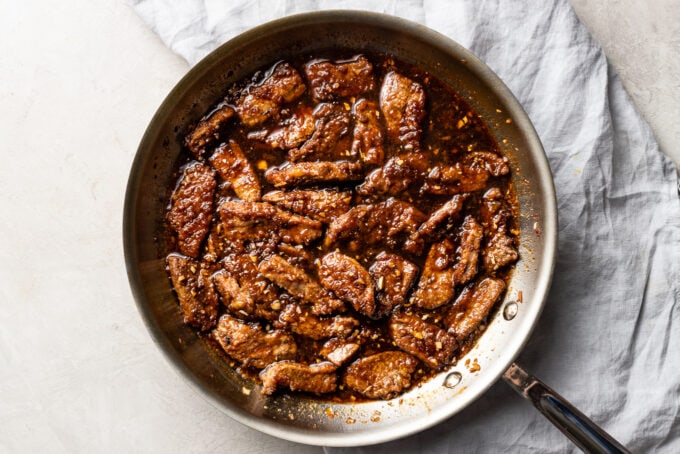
609	338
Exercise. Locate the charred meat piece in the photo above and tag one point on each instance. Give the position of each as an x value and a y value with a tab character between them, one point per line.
291	132
472	307
402	101
393	276
195	291
468	175
368	136
300	285
233	167
339	351
311	173
500	247
436	286
322	205
467	254
332	80
258	220
396	176
248	343
381	376
235	298
422	339
331	123
300	320
260	101
207	130
317	378
439	222
191	208
350	281
264	294
390	222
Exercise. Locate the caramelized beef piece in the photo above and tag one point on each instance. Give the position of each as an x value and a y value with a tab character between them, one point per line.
195	291
467	254
233	167
402	101
248	343
311	173
260	101
390	222
317	378
472	307
207	130
258	220
339	351
291	132
393	276
368	136
396	176
300	285
331	123
468	175
332	80
381	376
297	254
500	247
235	298
439	222
300	320
191	210
424	340
350	281
265	295
436	286
323	205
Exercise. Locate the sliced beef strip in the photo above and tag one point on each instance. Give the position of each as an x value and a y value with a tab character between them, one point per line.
424	340
339	351
295	254
322	205
299	319
291	132
249	344
467	254
332	80
236	299
233	167
396	176
393	276
191	208
258	220
436	286
195	291
350	281
312	173
260	101
300	285
402	101
368	140
468	175
331	122
207	130
390	222
317	378
500	247
381	376
472	307
441	221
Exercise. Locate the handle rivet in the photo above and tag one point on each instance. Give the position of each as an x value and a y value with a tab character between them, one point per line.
510	310
453	379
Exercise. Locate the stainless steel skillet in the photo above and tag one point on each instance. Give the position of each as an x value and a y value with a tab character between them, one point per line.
299	418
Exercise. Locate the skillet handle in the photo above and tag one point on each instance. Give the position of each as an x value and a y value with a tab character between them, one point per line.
574	424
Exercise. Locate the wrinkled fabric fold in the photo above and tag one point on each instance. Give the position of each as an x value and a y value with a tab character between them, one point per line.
609	337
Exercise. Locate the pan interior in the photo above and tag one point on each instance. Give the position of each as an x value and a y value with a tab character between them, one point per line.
302	419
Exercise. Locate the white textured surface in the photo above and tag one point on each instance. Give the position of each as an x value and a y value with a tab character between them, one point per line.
78	83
